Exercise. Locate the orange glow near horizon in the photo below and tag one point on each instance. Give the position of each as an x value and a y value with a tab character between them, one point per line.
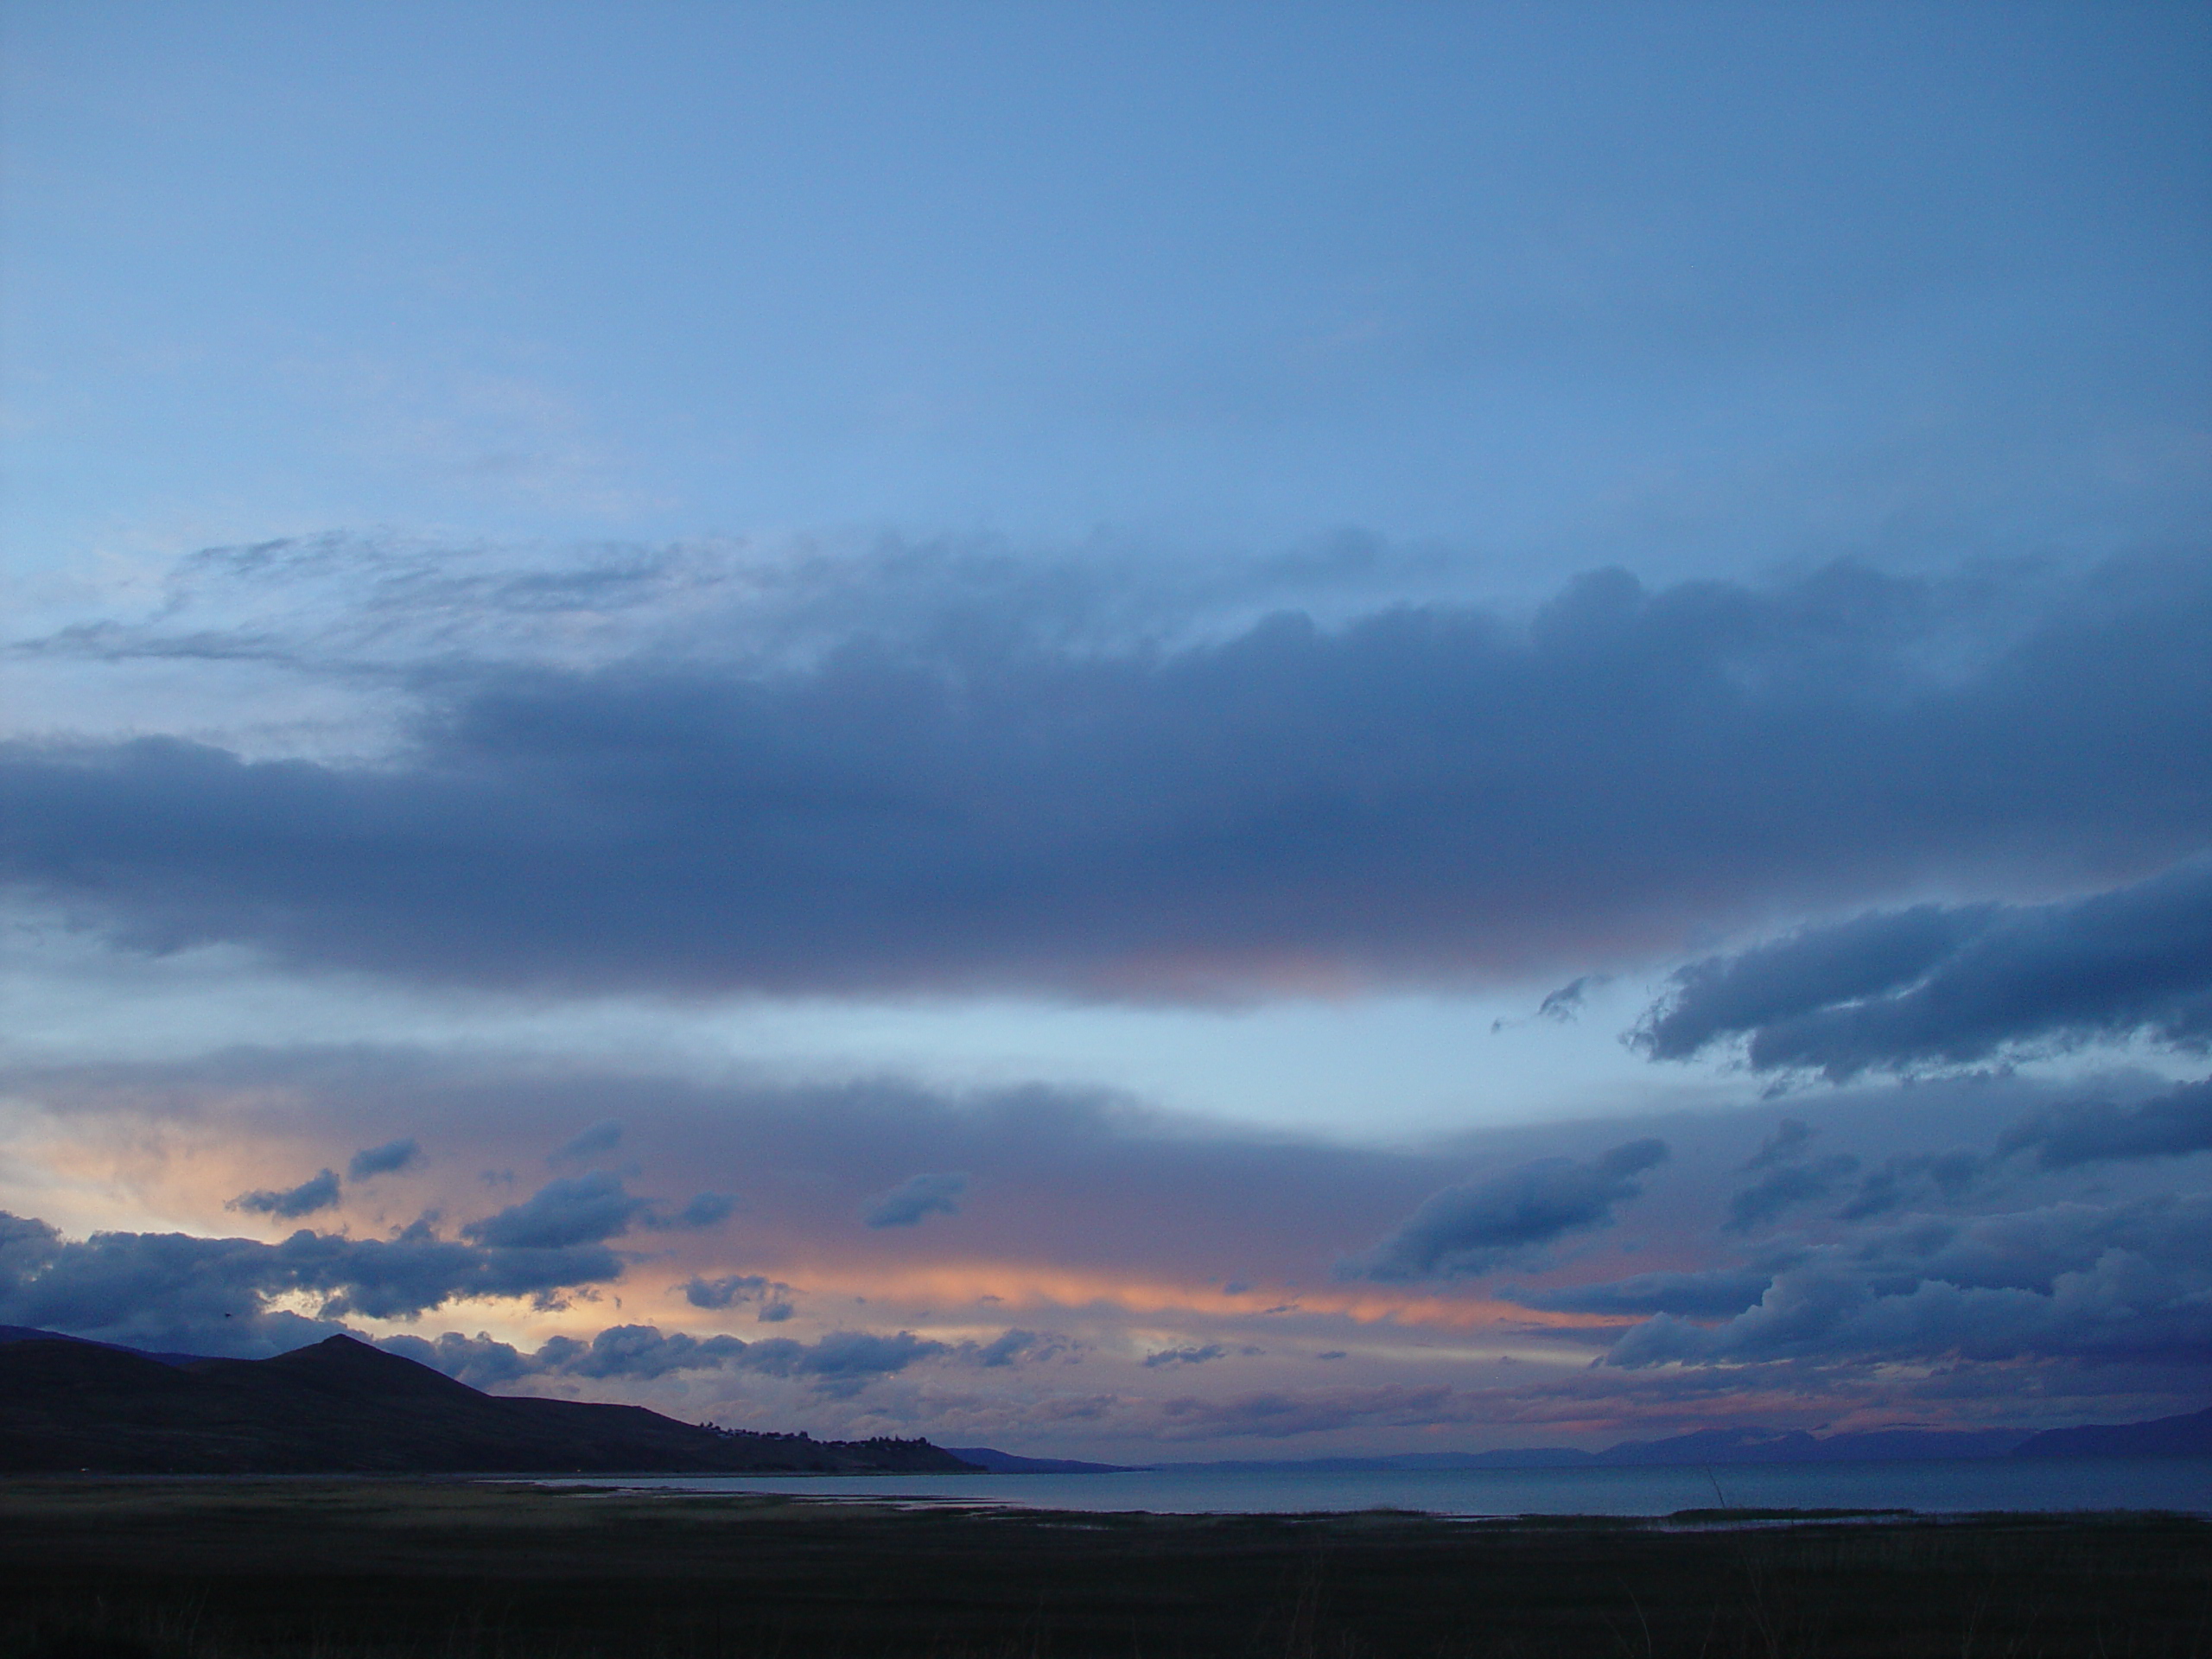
1020	1287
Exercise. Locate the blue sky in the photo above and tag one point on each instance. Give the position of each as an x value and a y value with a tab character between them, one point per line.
1188	647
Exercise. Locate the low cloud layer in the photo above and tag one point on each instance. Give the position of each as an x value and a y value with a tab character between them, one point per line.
834	1362
1424	792
1474	1230
1949	986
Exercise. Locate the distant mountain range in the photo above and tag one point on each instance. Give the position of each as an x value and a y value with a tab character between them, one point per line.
69	1404
2168	1437
342	1406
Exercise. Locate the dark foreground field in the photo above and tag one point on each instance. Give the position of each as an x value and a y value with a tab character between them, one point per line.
341	1569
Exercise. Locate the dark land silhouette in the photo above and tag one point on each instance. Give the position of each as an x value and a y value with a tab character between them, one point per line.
68	1405
452	1569
342	1406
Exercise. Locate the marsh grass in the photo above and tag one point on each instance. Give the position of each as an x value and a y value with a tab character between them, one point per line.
453	1570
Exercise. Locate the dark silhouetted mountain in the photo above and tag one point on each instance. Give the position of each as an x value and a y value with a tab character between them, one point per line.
343	1406
1008	1463
2189	1436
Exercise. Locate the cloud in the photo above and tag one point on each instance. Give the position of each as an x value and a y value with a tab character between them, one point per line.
1077	1164
1935	985
1421	792
318	1191
838	1360
708	1210
481	1361
918	1196
1790	1137
2122	1306
841	1355
1473	1230
599	1139
1096	1202
772	1299
1900	1180
1784	1185
1789	1179
1013	1345
2171	1125
1707	1293
730	1288
2112	1283
1565	1004
580	1210
179	1291
386	1160
1184	1355
639	1350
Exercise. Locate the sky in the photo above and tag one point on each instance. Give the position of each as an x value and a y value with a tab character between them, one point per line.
1128	732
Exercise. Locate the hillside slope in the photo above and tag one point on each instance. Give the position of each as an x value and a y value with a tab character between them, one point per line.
344	1406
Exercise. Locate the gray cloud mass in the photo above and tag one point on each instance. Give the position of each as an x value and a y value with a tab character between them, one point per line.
1937	985
581	1210
1472	1229
2105	1282
835	1361
1424	791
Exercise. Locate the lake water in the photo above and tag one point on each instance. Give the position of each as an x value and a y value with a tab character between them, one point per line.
2183	1484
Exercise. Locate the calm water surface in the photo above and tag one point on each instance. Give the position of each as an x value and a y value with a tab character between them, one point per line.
2183	1484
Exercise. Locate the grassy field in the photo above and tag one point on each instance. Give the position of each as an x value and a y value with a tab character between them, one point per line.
349	1569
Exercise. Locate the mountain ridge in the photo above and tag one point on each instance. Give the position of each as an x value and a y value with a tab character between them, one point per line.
344	1406
2188	1435
344	1374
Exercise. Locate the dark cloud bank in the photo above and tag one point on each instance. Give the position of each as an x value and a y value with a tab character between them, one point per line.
1427	791
1937	985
